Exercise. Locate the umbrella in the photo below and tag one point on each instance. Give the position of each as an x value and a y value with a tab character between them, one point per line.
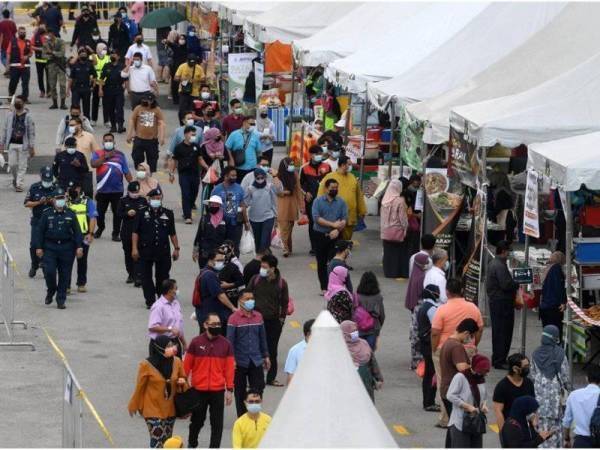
160	18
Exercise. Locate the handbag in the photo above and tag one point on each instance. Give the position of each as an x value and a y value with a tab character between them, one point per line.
413	223
186	402
363	319
239	156
188	87
474	423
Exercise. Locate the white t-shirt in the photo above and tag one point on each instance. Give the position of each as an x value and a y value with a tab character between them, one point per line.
294	356
143	49
333	163
140	78
436	276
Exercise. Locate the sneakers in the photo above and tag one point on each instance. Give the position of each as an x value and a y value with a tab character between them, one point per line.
93	123
81	289
106	124
188	221
18	189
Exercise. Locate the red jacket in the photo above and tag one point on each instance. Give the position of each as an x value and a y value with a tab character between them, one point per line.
210	363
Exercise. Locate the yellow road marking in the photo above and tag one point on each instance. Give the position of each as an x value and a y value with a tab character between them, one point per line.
313	266
401	280
295	324
401	430
494	427
355	243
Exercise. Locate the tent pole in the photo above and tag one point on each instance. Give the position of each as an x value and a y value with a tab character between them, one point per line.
220	80
291	115
524	309
483	251
302	113
569	251
392	106
365	117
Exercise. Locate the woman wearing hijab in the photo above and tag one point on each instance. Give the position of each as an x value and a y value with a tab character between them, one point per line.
467	393
394	223
266	129
261	200
211	231
413	300
159	378
179	51
340	301
519	429
230	276
290	201
212	157
144	177
554	295
99	60
363	358
550	375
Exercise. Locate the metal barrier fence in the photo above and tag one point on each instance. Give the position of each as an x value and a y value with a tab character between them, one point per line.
72	411
7	298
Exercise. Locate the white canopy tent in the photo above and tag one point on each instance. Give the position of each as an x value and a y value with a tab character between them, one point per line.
565	106
490	36
404	46
289	21
573	34
326	405
236	12
363	28
570	162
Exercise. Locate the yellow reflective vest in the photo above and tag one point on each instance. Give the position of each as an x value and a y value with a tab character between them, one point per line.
80	210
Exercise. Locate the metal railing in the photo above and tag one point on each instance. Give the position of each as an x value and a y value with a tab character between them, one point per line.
7	298
72	411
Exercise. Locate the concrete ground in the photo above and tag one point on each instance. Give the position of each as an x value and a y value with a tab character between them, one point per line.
103	332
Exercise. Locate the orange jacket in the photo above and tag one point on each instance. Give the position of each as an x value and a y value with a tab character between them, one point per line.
210	363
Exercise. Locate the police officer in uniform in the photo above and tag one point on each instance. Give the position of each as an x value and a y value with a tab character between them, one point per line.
129	209
86	212
58	237
80	82
38	198
153	228
112	90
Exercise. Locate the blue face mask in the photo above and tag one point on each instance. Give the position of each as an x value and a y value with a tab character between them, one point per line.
155	203
249	305
60	202
254	408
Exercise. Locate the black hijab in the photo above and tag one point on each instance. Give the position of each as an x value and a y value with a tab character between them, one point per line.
157	356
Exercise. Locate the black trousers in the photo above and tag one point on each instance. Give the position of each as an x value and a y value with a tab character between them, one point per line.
103	200
35	261
87	184
113	105
186	104
189	184
582	442
162	267
428	389
145	150
41	73
502	315
136	98
216	402
553	316
132	267
81	266
244	376
17	74
311	232
81	98
234	233
448	405
96	100
324	251
273	328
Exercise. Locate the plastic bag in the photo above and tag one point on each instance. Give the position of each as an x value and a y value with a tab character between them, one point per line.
303	220
420	370
213	173
291	306
276	241
247	243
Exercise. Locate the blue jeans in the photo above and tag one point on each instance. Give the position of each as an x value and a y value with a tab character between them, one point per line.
262	234
58	259
371	340
189	184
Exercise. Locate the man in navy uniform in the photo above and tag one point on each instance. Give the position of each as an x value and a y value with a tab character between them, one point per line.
38	198
58	237
153	228
129	209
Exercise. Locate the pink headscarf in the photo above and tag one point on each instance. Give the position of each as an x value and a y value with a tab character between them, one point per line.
216	218
394	217
213	148
415	284
359	349
337	282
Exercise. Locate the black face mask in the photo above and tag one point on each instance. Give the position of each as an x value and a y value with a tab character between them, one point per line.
210	114
139	41
18	106
333	193
146	104
113	59
264	115
214	330
232	180
191	63
213	209
22	35
82	58
524	371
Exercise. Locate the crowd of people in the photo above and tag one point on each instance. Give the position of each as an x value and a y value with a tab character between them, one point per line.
245	205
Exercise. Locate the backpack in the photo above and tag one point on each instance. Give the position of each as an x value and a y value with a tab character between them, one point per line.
363	319
197	295
291	305
595	425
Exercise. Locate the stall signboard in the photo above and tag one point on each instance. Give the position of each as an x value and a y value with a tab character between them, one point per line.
411	141
443	204
239	65
259	78
523	275
472	268
531	220
464	161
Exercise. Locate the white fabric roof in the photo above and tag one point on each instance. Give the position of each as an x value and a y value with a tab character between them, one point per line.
571	162
363	28
564	106
490	36
403	46
236	12
573	34
326	405
289	21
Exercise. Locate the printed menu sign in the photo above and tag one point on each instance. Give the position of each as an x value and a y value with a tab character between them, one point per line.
531	220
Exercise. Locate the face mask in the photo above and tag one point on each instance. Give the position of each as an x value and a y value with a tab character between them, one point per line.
254	408
210	113
177	293
60	202
113	59
140	174
102	53
354	336
238	110
139	41
214	209
264	115
134	194
72	129
214	330
22	35
189	122
193	138
191	34
251	128
123	15
155	203
82	58
109	146
524	371
325	150
249	305
333	193
181	41
71	151
446	266
263	272
265	168
291	168
349	169
19	106
232	180
260	182
137	63
219	265
317	158
335	155
47	184
191	63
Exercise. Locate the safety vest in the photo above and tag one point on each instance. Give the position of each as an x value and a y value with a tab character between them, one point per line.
80	210
101	62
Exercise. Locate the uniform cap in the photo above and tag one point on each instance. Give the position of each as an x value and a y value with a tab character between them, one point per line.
134	186
46	173
154	192
59	192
